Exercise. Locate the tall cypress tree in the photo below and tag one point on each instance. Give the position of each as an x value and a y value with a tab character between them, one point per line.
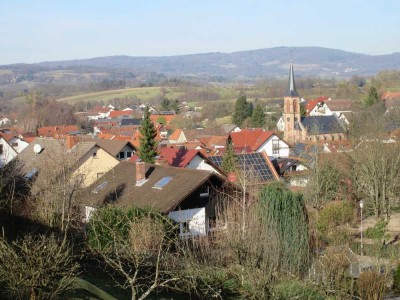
283	212
229	159
148	143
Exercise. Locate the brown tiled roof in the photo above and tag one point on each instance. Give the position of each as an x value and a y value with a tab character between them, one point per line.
120	187
113	146
341	105
50	131
53	156
178	157
196	134
390	96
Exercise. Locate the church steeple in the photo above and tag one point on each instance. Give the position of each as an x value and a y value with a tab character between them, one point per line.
291	92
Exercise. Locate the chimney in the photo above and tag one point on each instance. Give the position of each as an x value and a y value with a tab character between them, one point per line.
71	141
140	173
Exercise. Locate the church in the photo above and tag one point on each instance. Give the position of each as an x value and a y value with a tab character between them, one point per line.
298	128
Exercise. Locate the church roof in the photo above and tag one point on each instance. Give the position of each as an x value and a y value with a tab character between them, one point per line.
291	92
322	124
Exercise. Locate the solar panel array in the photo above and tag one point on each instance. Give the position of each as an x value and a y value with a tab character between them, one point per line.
253	163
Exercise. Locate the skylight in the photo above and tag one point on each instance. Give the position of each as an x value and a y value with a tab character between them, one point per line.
100	187
162	182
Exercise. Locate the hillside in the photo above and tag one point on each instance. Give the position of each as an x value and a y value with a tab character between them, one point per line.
314	61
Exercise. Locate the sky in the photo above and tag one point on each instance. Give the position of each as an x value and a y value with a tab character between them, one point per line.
49	30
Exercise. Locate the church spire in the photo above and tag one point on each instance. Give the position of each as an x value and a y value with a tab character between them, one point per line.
291	92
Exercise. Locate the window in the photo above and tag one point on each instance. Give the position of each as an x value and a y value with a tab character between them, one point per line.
14	144
100	174
185	228
162	182
1	148
204	191
275	146
122	155
129	154
288	119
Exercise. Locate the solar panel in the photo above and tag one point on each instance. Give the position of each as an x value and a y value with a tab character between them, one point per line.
100	187
253	164
162	182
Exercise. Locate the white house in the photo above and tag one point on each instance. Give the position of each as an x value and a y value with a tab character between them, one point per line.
7	152
261	141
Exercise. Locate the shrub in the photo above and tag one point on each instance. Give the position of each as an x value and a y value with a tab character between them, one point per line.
294	289
371	285
378	231
335	214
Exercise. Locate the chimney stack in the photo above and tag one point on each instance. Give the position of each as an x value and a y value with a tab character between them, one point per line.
140	173
71	141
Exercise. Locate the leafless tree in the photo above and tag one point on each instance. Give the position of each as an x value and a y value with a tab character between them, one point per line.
142	252
40	267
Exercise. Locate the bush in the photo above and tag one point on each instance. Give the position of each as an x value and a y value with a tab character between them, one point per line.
294	289
378	231
335	214
39	267
396	279
371	285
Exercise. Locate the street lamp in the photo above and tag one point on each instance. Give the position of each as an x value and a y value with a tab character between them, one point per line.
361	209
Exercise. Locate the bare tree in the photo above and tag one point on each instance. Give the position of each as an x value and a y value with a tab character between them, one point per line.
40	267
138	246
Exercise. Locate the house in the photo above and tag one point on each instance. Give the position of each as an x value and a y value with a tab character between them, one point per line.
190	159
391	101
177	137
280	125
261	141
16	142
4	121
256	166
185	195
118	148
60	131
82	161
7	152
308	128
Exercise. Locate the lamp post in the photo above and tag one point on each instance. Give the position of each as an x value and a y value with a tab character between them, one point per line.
361	210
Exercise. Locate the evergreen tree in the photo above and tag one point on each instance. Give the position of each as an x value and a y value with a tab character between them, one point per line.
148	144
372	97
241	112
165	104
229	159
175	106
283	213
258	117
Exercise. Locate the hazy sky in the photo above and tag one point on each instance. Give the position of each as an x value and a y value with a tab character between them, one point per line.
40	30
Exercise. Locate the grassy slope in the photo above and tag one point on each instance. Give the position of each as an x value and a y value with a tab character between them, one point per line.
145	93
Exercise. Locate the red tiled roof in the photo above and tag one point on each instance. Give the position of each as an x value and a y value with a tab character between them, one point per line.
390	96
168	118
311	103
213	141
176	134
250	137
119	113
178	157
50	131
7	136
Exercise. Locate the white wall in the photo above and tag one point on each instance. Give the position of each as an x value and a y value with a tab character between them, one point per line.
283	150
198	163
19	144
7	154
321	111
196	218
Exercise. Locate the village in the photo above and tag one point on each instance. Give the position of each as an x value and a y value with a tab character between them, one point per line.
327	178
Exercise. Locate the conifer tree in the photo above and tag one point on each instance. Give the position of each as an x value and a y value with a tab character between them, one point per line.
229	159
258	117
372	97
148	144
284	212
242	110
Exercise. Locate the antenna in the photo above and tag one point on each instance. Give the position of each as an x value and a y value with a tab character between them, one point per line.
291	56
37	148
